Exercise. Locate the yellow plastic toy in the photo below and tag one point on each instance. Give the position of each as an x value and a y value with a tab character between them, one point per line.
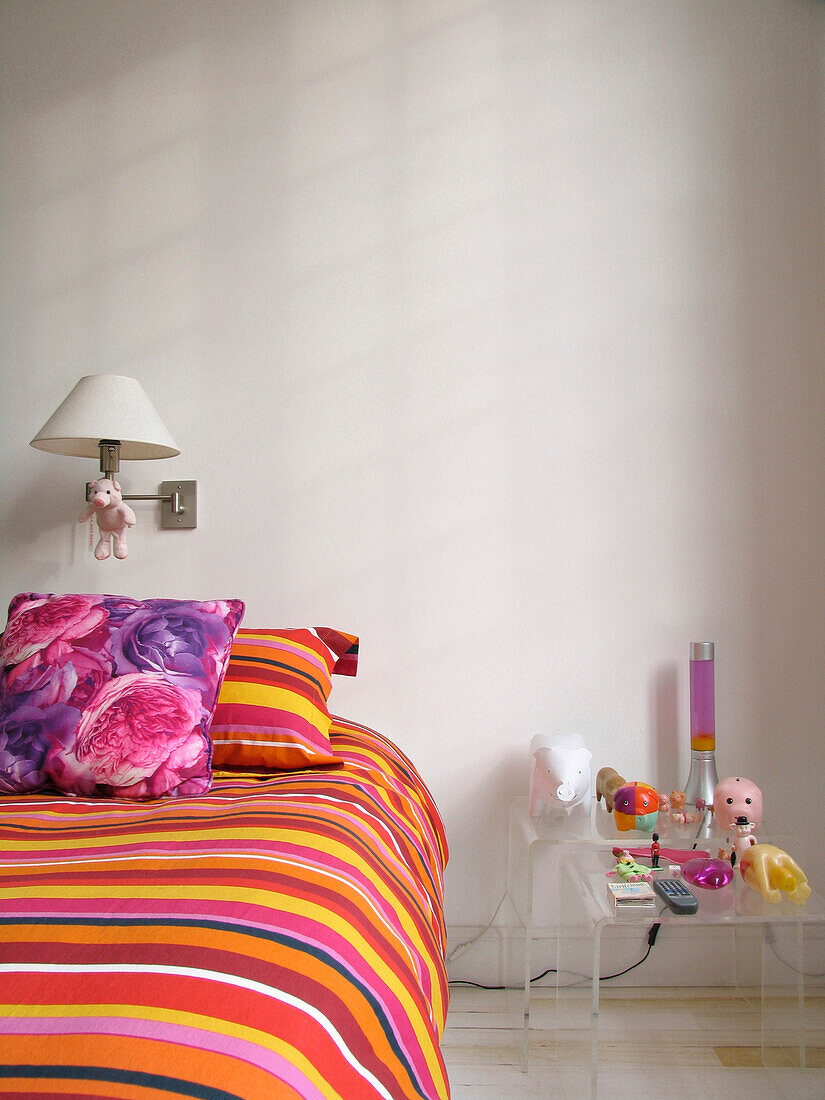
773	872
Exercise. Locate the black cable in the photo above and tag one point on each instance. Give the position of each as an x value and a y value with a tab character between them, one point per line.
770	938
651	940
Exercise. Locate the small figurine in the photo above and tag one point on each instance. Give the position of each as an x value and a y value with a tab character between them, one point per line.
628	869
737	797
636	806
112	515
608	782
655	851
678	813
672	855
561	771
744	838
771	871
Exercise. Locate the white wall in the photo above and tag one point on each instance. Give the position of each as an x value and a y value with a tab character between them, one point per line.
491	330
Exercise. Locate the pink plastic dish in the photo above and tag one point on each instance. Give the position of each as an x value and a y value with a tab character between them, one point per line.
710	874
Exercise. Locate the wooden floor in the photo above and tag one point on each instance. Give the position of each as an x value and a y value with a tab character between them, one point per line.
651	1042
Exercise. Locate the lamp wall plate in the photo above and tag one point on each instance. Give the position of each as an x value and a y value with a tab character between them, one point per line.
187	495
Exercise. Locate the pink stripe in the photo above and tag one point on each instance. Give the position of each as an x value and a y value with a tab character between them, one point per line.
299	927
283	645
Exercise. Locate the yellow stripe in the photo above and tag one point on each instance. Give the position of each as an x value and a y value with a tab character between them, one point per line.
279	698
273	899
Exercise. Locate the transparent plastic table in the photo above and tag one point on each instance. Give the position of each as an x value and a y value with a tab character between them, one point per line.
569	854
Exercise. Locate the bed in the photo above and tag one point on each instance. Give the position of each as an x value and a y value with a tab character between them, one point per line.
279	934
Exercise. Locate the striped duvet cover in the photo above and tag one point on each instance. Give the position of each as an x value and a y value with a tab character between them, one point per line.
281	936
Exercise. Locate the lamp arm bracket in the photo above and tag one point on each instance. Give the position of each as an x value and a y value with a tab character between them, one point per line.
180	503
172	498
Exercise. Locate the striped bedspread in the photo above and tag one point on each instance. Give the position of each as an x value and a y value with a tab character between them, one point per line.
281	936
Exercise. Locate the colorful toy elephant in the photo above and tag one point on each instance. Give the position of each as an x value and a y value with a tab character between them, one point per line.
636	806
112	515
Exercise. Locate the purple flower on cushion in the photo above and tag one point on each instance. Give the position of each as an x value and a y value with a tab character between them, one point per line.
35	624
62	673
184	641
137	726
52	685
29	733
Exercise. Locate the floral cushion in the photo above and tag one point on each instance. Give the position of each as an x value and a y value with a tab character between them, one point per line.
111	696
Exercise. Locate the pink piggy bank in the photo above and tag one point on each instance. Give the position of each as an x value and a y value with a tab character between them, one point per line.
737	797
561	772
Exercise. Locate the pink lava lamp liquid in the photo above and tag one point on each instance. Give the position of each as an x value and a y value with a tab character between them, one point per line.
702	711
703	777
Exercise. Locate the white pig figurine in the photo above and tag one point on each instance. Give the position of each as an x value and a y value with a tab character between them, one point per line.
561	772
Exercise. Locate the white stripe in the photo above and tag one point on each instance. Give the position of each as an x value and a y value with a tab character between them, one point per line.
209	975
232	856
266	744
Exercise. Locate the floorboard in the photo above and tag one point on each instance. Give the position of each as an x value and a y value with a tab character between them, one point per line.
705	1040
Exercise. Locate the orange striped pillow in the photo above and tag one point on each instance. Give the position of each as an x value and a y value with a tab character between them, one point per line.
272	708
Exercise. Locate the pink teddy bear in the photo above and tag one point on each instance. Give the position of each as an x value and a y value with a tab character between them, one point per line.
112	515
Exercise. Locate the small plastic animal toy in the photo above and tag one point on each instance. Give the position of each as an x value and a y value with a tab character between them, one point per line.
112	515
736	797
561	772
636	806
629	870
773	872
678	813
744	838
608	782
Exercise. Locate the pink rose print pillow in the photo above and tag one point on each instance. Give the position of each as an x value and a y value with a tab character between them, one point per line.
108	696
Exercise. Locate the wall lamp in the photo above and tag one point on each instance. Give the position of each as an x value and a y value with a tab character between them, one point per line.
110	416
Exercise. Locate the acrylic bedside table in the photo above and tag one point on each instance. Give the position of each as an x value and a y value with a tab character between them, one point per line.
737	908
568	854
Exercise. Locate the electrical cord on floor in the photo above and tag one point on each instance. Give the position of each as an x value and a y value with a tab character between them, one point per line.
460	948
653	932
770	939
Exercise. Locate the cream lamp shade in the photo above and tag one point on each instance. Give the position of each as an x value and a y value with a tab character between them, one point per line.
106	408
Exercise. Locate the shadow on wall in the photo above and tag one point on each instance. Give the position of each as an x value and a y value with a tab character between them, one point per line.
40	526
491	783
663	722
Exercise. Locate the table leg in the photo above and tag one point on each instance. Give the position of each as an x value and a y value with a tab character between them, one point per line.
594	1014
528	963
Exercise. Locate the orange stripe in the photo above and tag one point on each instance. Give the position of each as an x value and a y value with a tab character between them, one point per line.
151	1056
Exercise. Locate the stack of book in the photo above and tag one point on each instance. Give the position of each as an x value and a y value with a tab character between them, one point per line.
632	895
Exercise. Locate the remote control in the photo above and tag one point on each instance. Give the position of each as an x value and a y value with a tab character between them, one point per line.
676	894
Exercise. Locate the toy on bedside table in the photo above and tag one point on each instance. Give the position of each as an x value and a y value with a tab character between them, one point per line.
608	782
773	872
672	855
743	840
710	874
655	852
636	806
736	797
677	811
628	869
112	515
561	772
